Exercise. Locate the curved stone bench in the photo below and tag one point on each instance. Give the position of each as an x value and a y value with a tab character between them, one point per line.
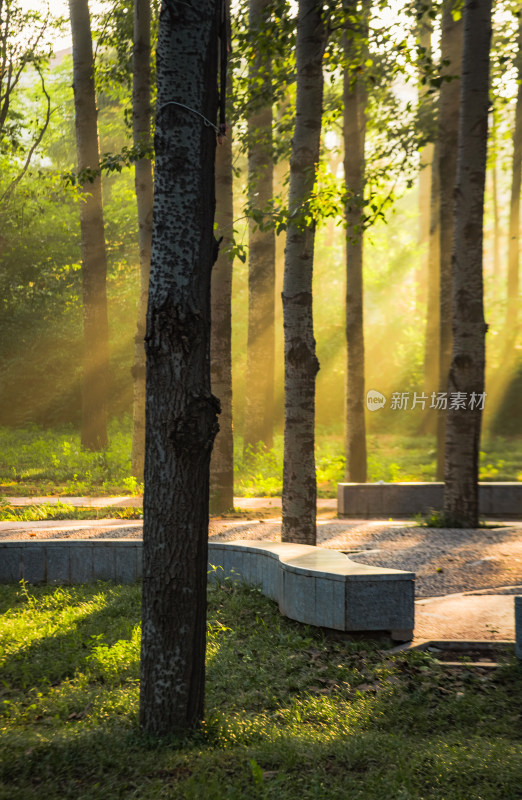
323	587
312	585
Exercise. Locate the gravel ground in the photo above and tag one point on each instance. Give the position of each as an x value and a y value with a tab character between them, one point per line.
444	560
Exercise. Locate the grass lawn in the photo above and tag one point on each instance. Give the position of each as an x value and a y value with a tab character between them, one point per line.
34	461
290	712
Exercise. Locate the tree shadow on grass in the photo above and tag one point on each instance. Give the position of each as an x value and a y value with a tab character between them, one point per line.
291	714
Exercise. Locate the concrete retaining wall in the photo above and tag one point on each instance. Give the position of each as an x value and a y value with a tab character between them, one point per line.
407	499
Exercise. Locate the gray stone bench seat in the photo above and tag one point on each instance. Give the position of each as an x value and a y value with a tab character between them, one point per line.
323	587
404	499
312	585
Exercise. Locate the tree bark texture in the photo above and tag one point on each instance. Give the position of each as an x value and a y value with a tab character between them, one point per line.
426	164
94	261
496	215
141	118
181	412
301	364
259	397
469	329
354	132
432	339
222	462
425	30
514	214
451	50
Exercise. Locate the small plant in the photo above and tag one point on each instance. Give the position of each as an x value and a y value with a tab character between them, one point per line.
438	519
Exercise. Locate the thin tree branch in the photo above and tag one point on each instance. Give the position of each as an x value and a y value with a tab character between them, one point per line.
14	183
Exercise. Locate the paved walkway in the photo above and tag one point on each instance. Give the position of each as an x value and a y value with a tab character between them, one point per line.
136	501
467	616
484	614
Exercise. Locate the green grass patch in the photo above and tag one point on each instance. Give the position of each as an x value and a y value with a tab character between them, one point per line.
38	461
45	511
290	713
35	461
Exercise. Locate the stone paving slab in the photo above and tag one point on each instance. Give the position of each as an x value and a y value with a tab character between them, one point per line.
466	616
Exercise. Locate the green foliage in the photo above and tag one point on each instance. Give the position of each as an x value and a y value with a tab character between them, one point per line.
25	49
60	511
438	519
390	459
41	329
290	713
38	462
34	461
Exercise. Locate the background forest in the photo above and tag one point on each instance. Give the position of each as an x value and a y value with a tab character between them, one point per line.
399	66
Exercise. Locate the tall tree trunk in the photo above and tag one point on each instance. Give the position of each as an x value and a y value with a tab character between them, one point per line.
259	399
469	329
425	30
94	260
451	50
141	118
432	339
428	281
512	311
426	166
222	461
495	207
181	411
354	130
301	364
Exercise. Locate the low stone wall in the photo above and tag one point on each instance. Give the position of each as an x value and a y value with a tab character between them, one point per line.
368	500
73	561
312	585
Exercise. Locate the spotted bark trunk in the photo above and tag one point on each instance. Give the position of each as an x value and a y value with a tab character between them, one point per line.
466	374
354	131
259	397
181	411
301	364
95	387
141	117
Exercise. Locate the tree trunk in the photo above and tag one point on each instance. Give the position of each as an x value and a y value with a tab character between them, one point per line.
141	116
301	364
451	50
425	30
259	398
514	215
181	411
467	364
94	259
354	130
432	340
222	462
496	210
426	166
